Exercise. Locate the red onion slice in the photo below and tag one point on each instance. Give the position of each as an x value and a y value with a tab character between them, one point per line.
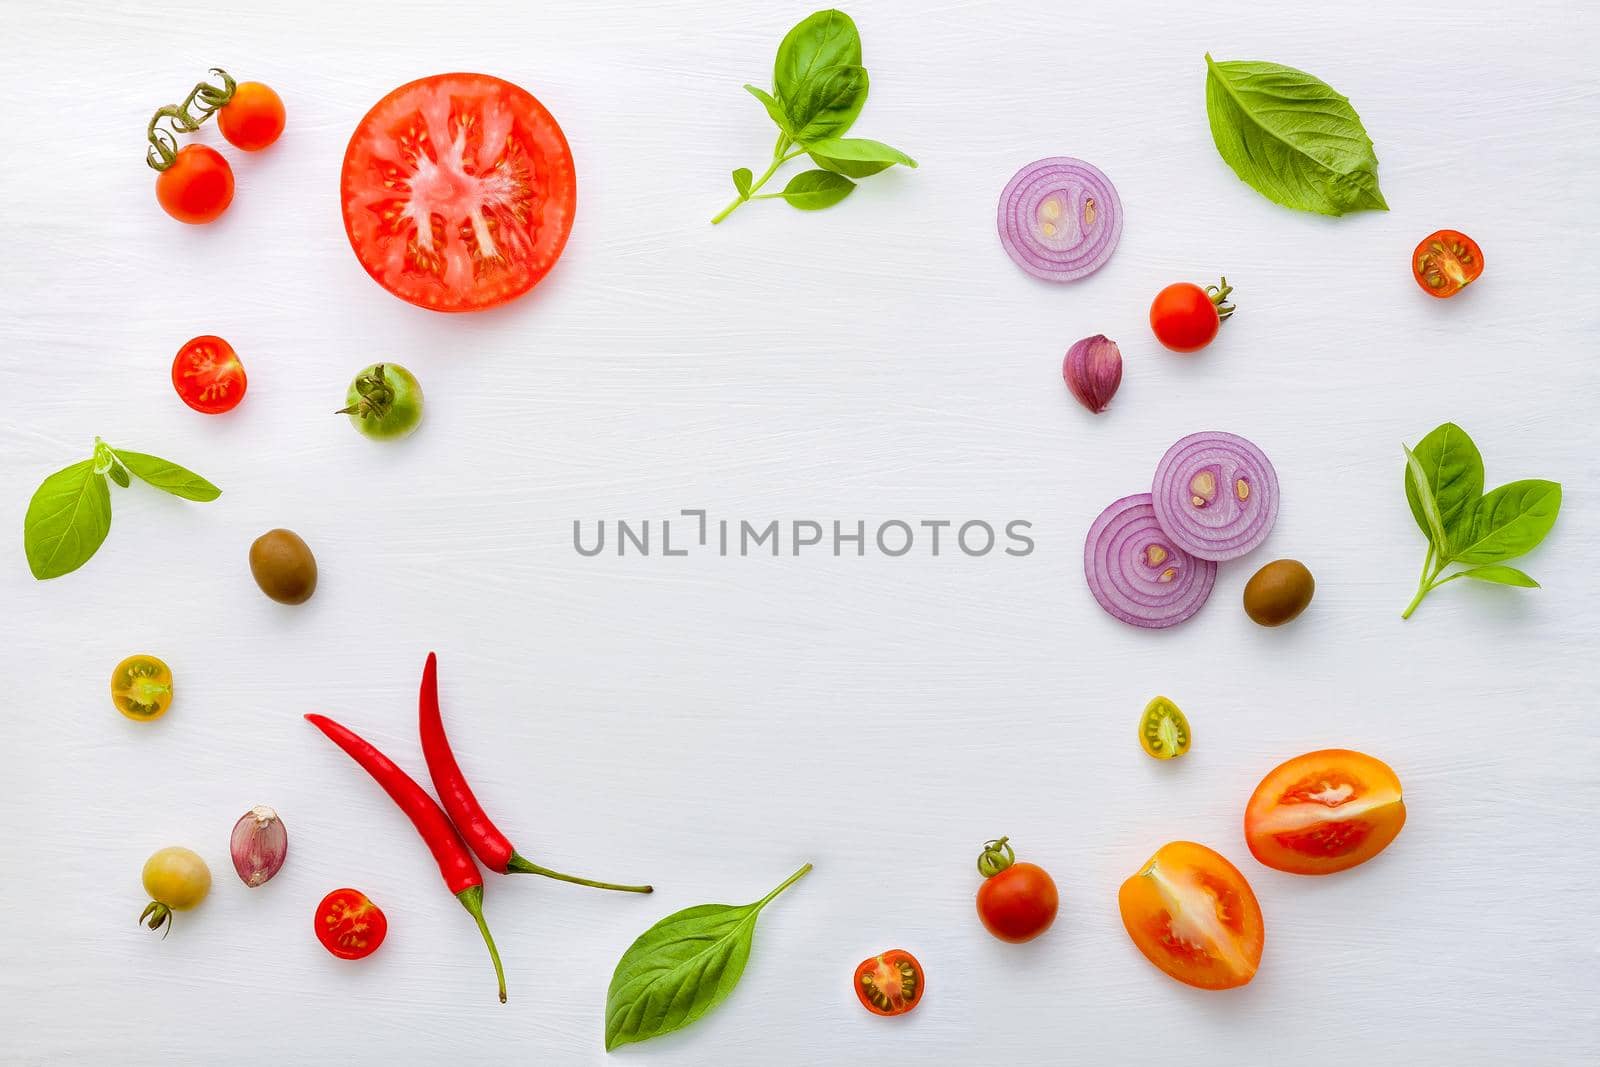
1060	219
1216	495
1135	571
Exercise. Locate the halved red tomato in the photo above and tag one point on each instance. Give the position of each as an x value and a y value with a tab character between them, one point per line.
1324	812
349	925
208	376
889	984
1193	915
1446	262
458	192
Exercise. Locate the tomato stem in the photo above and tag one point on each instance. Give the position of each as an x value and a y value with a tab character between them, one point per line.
205	98
518	865
1219	297
472	899
377	395
997	855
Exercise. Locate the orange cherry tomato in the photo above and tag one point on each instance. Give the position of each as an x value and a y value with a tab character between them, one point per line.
1193	915
1446	262
1324	812
197	187
253	118
208	376
1186	317
1017	901
889	984
349	925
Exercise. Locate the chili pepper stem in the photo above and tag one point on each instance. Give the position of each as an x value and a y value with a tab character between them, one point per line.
472	899
518	865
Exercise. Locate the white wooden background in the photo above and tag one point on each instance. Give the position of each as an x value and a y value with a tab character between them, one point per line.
710	724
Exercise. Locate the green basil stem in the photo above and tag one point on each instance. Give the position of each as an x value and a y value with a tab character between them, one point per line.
1430	572
472	899
779	158
518	865
787	882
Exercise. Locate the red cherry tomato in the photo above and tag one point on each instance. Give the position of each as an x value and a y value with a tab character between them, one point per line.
1446	262
1186	317
1017	901
349	925
253	118
197	187
208	376
486	172
889	984
1323	812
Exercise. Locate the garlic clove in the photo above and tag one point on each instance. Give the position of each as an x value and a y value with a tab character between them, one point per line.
259	845
1093	371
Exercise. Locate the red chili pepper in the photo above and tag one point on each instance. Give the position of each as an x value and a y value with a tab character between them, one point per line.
485	839
455	862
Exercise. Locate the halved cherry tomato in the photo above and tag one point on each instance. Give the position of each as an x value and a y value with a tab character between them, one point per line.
1193	915
349	925
1446	262
208	376
1186	317
1163	729
889	984
141	688
1017	901
197	187
253	118
1323	812
458	192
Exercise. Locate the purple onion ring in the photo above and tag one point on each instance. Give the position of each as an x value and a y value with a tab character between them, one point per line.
1216	495
1060	219
1135	571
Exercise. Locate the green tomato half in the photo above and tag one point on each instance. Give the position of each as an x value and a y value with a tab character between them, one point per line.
384	402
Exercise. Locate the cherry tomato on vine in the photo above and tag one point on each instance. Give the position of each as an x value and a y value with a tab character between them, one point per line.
252	118
1446	262
1194	916
1017	901
1186	317
384	402
197	187
141	688
349	925
208	376
890	983
1323	812
484	167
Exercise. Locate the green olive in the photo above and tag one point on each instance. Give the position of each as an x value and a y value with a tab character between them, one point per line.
283	566
1278	592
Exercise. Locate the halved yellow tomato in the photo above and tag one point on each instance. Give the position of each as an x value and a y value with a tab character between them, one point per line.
1194	916
141	688
1323	812
1163	729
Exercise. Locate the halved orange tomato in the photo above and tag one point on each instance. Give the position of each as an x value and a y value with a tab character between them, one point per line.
890	983
1193	915
1323	812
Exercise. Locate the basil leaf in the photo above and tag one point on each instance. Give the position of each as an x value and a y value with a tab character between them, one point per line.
1454	471
1498	573
741	182
856	157
827	104
67	521
681	968
1291	137
1509	521
168	476
119	474
822	39
814	190
774	108
1418	480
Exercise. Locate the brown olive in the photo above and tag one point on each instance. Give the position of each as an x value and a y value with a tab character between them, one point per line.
1278	592
283	566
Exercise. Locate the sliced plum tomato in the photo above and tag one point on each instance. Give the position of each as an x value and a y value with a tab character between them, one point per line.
1193	915
349	925
1323	812
890	983
141	688
1446	262
458	192
1163	729
208	376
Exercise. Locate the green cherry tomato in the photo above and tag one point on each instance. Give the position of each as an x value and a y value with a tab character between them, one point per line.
177	879
384	402
1163	730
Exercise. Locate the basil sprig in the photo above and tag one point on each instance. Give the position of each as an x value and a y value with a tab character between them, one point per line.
1465	525
70	513
818	90
681	968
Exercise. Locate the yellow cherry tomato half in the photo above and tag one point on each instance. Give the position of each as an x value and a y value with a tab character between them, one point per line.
141	688
1163	731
